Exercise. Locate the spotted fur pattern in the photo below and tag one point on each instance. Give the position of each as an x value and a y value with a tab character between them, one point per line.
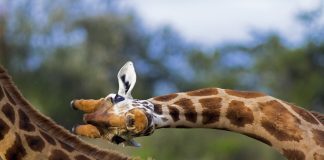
295	132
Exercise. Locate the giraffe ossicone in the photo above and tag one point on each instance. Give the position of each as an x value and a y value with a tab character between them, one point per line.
296	133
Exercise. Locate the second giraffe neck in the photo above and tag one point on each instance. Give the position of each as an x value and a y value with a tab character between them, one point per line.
290	129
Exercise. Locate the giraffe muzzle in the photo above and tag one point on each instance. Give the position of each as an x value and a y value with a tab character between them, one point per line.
89	105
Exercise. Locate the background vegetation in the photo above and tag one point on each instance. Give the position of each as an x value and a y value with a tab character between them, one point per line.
72	49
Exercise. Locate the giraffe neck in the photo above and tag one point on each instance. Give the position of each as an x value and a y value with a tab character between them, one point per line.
293	131
27	134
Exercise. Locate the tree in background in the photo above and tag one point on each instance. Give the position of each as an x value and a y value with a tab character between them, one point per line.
58	51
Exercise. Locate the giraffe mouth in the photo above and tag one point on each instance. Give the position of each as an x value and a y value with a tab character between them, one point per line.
94	130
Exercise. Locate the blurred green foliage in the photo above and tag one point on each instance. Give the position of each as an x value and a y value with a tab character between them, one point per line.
62	50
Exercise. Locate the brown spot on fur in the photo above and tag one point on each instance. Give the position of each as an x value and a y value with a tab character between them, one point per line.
1	93
239	114
9	112
279	122
318	156
293	154
16	151
211	109
244	94
210	116
189	110
24	122
9	97
158	109
184	103
4	129
211	103
166	97
35	143
81	157
304	114
66	147
203	92
58	155
259	138
48	138
318	137
279	133
174	113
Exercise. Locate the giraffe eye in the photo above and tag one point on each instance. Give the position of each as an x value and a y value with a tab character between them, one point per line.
118	98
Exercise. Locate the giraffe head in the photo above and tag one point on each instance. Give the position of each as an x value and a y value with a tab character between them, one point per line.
117	117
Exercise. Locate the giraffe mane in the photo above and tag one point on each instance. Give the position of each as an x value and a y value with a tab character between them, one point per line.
319	116
50	126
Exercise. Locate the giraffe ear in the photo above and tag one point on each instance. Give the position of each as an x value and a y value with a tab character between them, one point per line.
126	79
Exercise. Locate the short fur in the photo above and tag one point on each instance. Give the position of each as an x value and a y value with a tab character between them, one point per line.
51	127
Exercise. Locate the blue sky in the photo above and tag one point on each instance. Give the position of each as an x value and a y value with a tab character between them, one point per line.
212	22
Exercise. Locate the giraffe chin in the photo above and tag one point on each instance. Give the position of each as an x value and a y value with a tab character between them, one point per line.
137	124
120	136
113	134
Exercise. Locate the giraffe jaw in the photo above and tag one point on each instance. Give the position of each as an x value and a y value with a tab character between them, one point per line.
121	127
120	136
113	134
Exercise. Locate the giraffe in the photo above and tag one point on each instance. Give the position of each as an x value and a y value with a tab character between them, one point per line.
26	134
296	133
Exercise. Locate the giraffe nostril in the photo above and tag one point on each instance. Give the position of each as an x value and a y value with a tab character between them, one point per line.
117	139
91	122
73	105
